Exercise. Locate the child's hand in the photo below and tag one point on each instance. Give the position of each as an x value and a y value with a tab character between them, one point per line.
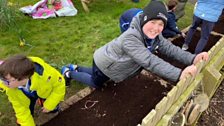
201	56
44	110
191	70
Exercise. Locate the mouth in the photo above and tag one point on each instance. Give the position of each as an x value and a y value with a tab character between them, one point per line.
152	33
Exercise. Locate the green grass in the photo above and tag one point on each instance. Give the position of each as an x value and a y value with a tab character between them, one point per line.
8	16
186	20
64	40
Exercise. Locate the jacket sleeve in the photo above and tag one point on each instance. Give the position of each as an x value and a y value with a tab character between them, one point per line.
58	90
20	104
142	56
171	51
55	97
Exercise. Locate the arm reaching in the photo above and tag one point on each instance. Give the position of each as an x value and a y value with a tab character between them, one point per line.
201	56
192	70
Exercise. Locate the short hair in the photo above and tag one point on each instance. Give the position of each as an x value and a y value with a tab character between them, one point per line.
171	4
18	66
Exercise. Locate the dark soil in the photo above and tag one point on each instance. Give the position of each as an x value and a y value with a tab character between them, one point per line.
128	102
219	26
212	41
180	41
123	104
214	115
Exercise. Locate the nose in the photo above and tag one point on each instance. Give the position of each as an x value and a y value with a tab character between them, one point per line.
157	26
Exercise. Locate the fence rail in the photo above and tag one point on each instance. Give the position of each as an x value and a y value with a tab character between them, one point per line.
209	77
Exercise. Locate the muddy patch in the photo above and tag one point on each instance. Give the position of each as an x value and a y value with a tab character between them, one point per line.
219	26
122	104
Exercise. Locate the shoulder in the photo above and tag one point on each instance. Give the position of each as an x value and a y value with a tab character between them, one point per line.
38	64
132	34
161	40
132	11
36	59
171	15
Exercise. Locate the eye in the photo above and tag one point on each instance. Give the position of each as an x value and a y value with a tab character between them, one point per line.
153	22
161	24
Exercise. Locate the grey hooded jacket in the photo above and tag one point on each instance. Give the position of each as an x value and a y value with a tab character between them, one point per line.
124	56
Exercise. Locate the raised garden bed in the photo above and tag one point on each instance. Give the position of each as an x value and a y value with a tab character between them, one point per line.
120	104
214	115
125	103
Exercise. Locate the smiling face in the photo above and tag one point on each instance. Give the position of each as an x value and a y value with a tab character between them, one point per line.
153	28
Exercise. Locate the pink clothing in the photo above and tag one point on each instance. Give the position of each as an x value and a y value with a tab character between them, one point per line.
1	62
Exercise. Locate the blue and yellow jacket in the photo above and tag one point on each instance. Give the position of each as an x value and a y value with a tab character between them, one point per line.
47	82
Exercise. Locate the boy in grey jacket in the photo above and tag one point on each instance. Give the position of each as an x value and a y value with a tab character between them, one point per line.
134	50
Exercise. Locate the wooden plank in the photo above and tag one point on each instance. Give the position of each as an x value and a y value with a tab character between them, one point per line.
84	5
147	121
171	97
180	101
160	110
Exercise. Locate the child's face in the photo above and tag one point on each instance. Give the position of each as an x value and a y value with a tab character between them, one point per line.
153	28
12	82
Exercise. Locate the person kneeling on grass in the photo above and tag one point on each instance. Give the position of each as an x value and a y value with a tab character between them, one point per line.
134	50
28	79
171	29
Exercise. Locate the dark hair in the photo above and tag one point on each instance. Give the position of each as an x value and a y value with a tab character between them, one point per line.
171	4
18	66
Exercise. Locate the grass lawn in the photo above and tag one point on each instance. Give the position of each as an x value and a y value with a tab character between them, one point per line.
65	40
